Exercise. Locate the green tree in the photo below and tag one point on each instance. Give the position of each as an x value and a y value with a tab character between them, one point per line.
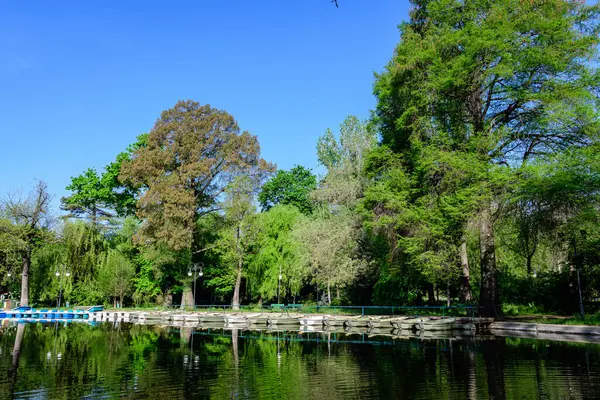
193	153
115	275
505	81
344	156
330	247
275	252
101	197
239	232
289	187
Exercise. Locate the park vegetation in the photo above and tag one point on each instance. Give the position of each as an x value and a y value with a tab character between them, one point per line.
476	180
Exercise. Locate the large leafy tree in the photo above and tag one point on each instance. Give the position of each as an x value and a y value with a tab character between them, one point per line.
504	81
193	152
289	188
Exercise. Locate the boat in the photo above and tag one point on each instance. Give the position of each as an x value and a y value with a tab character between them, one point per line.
334	321
261	319
437	324
236	319
357	322
312	321
210	318
384	322
283	320
408	323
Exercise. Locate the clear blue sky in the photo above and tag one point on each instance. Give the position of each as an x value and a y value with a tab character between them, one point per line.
80	80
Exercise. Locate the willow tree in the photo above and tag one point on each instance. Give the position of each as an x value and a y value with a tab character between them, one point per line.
26	222
502	80
193	152
277	264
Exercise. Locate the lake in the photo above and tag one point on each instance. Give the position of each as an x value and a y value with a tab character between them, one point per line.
76	360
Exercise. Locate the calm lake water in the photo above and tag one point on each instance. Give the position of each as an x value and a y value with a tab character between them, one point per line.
53	361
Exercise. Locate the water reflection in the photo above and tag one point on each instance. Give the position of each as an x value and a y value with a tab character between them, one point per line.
77	360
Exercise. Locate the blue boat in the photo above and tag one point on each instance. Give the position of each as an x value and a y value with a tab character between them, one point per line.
95	309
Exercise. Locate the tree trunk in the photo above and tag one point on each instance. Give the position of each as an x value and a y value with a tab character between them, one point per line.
529	257
236	291
187	297
26	255
430	294
17	346
328	293
235	302
489	299
115	302
465	289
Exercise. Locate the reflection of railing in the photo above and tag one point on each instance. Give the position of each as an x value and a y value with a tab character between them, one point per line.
457	310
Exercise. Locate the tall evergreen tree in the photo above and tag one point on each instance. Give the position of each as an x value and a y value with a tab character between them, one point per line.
503	82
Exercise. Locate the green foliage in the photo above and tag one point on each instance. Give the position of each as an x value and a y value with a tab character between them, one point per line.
101	197
289	188
115	275
276	252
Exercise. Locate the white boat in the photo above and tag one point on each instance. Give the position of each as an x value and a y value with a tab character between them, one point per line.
439	324
236	319
312	321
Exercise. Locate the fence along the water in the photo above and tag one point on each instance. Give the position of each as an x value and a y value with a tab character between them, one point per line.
456	310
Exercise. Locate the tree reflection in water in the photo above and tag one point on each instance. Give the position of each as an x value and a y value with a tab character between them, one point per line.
78	360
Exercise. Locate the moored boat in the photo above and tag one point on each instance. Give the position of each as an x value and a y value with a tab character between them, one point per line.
437	324
316	320
236	319
210	318
284	320
410	323
334	321
357	322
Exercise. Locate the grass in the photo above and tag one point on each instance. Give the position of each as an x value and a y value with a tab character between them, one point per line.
592	319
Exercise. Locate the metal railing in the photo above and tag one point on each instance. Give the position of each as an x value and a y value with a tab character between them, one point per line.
456	310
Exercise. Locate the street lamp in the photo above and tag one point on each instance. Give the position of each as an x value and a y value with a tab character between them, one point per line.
58	275
279	285
578	261
196	270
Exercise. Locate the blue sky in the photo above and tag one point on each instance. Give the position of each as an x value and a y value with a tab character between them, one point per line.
80	80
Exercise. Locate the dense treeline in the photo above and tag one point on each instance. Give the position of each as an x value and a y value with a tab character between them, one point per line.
476	180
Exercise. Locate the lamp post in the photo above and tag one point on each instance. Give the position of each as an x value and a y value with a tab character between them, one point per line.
279	285
59	275
196	270
578	260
